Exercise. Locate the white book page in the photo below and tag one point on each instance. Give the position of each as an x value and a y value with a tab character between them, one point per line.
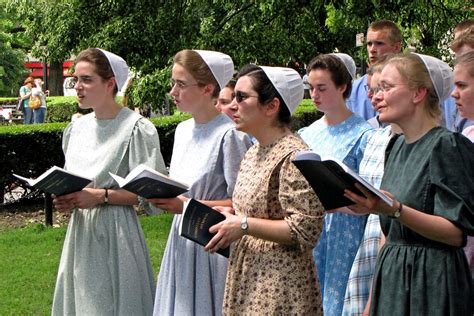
142	171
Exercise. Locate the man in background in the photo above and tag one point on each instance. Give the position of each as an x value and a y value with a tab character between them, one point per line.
383	38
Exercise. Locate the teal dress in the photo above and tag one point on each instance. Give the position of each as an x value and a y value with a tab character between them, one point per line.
416	275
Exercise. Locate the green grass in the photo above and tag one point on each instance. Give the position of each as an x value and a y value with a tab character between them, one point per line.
29	259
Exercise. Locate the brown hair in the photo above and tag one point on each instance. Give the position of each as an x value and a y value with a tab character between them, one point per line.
464	25
465	38
100	62
412	68
379	64
389	27
29	80
467	62
336	68
198	68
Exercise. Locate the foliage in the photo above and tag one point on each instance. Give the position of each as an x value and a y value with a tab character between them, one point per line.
151	92
426	25
11	59
30	259
147	33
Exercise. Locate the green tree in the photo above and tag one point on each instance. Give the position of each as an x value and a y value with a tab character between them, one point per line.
277	32
11	58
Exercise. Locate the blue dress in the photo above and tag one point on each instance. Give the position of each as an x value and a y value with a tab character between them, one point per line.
358	102
342	232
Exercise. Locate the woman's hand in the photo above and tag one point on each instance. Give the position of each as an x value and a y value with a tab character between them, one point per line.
369	203
86	198
226	231
173	205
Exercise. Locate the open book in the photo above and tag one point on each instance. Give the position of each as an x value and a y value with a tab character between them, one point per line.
196	220
149	183
57	181
329	178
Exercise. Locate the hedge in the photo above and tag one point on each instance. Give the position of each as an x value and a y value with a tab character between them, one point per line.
29	150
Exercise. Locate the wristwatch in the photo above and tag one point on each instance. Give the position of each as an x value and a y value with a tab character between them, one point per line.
398	212
244	225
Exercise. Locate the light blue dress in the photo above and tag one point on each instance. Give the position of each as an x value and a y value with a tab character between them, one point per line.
342	232
105	266
207	157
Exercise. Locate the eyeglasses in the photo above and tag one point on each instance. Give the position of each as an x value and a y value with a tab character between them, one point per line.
242	96
373	90
181	85
385	87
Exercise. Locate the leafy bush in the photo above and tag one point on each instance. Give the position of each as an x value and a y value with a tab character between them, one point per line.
60	109
150	92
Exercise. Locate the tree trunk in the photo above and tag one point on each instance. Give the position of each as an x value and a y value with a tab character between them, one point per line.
55	84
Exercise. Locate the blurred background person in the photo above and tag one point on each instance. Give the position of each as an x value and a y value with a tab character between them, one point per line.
39	114
25	94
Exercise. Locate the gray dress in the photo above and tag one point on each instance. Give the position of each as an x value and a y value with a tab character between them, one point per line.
207	157
105	267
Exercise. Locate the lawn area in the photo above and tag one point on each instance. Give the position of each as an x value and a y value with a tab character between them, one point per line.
30	257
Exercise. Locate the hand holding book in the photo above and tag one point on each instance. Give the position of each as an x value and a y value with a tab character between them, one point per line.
196	221
370	203
329	179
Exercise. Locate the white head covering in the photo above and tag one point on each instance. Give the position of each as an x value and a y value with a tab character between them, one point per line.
441	76
348	62
119	67
220	64
288	83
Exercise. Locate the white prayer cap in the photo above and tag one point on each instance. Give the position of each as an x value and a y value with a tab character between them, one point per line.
220	64
348	62
288	83
441	75
119	67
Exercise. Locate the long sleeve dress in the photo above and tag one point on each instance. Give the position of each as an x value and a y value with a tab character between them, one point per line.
342	233
416	275
266	277
105	267
207	157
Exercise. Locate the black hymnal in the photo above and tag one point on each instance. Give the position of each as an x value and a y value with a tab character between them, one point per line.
57	181
330	177
196	220
149	183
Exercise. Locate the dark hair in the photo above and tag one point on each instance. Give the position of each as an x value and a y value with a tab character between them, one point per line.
339	73
197	67
392	30
231	84
266	90
100	62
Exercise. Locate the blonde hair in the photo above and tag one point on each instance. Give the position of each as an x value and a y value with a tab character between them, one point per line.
197	67
416	75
